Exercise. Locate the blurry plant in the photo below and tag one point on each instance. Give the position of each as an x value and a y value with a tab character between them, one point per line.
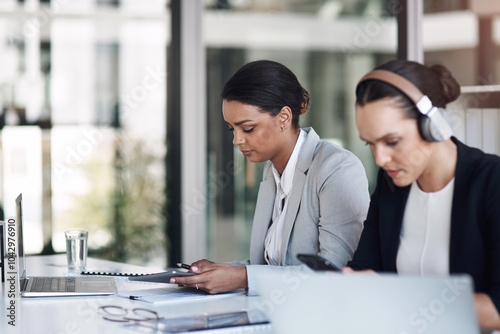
123	208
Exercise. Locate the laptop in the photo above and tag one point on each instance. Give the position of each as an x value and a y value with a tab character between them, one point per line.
322	302
58	285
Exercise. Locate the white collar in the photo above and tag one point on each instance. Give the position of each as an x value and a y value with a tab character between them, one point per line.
286	179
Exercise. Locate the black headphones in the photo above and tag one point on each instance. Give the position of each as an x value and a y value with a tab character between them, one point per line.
432	124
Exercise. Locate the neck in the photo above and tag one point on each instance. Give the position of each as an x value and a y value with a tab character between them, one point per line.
281	160
441	169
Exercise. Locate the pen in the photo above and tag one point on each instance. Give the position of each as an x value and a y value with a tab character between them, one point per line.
183	265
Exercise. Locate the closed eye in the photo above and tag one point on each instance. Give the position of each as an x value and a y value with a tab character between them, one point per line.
392	143
388	143
248	131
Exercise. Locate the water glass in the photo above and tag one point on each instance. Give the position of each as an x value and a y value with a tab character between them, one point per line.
76	250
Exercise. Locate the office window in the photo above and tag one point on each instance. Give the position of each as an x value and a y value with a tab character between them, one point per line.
84	85
329	45
83	98
466	40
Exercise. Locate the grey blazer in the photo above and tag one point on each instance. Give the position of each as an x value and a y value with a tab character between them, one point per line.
326	209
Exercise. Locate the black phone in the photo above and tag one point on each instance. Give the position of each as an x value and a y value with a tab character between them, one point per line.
316	262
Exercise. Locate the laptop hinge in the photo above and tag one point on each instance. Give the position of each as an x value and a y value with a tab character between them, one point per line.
24	284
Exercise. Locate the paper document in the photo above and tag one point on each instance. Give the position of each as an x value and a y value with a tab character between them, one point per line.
173	294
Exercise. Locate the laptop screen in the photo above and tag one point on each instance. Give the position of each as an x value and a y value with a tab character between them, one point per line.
20	246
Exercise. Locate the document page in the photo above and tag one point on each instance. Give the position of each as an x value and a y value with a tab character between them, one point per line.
173	294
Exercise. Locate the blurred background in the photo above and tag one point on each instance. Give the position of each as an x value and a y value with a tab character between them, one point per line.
85	109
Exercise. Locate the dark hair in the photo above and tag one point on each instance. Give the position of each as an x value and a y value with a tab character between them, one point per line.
270	86
435	81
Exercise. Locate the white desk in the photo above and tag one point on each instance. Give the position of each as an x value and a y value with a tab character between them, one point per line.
69	315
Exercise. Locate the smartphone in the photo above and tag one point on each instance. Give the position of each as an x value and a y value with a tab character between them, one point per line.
316	262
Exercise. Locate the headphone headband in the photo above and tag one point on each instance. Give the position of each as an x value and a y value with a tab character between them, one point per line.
396	80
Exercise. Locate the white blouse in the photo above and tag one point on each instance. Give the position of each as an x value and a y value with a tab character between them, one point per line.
283	188
425	235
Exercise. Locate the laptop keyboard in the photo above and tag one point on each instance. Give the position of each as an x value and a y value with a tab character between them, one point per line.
53	284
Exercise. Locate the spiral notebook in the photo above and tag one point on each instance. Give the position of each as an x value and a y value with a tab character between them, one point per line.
160	277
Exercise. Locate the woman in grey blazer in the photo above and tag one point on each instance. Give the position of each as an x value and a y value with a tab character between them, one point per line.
314	195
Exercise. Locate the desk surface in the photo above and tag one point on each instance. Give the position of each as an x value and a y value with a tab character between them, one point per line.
79	314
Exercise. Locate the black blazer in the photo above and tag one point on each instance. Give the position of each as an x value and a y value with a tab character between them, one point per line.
475	222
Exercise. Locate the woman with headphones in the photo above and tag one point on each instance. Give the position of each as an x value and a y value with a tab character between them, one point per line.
436	206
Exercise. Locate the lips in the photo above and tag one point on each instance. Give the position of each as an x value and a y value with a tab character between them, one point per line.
392	173
246	152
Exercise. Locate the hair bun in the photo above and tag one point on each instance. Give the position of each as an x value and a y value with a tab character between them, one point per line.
451	88
305	102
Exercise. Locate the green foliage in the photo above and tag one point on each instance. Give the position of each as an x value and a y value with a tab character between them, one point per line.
123	208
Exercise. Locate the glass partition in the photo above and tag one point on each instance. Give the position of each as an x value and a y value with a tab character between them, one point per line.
83	89
83	84
329	45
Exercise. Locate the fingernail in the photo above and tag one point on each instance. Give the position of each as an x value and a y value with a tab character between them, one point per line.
172	280
194	268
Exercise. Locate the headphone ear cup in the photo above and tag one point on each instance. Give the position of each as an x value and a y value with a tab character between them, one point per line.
424	127
435	128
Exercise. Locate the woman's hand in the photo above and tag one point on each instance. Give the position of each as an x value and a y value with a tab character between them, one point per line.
487	314
214	277
349	270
